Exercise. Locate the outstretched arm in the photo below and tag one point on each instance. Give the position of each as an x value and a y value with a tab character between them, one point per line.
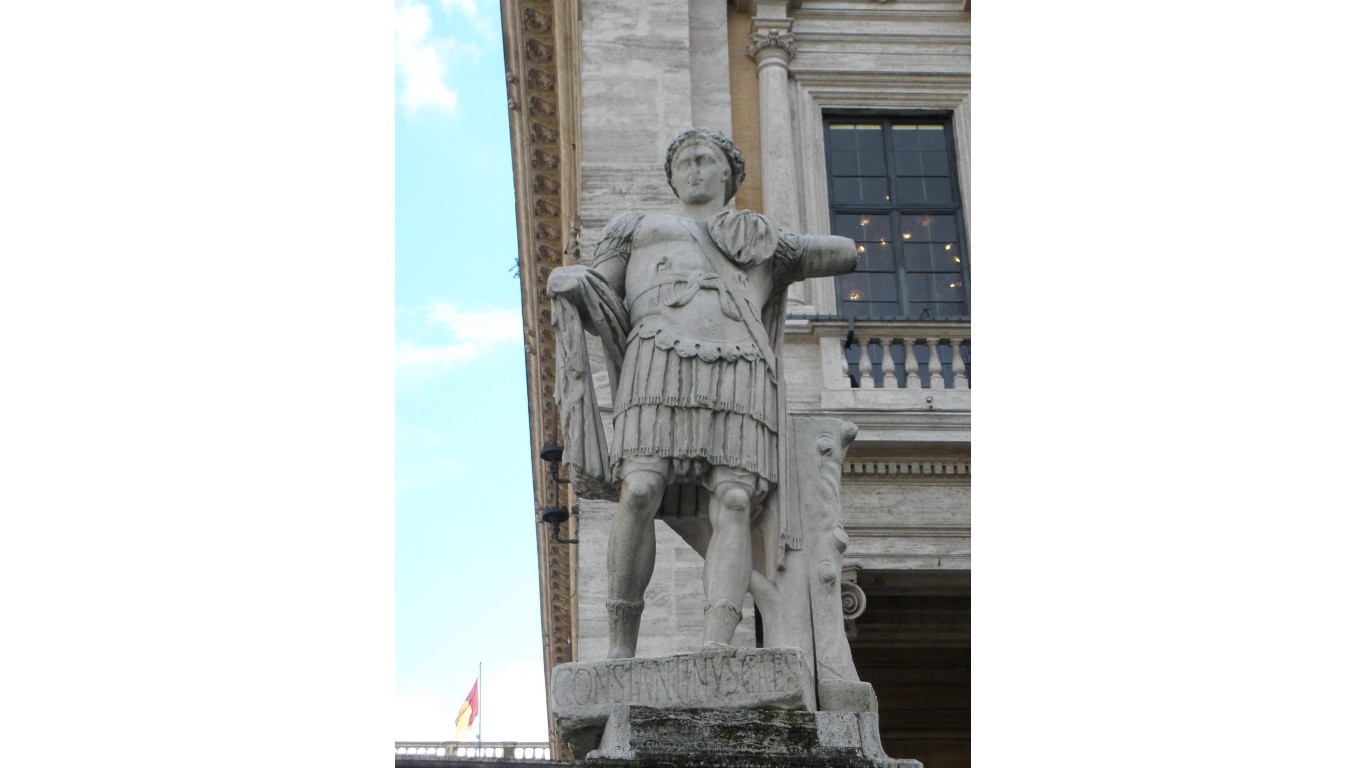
824	255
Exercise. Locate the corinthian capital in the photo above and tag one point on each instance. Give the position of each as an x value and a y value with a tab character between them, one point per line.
771	38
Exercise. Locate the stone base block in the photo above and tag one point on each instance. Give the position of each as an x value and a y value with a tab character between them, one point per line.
846	696
698	738
583	693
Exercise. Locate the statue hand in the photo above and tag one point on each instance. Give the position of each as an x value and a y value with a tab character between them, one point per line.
565	280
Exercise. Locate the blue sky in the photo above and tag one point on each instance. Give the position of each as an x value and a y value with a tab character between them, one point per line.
466	585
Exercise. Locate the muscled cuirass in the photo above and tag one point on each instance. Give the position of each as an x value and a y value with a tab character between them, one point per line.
680	283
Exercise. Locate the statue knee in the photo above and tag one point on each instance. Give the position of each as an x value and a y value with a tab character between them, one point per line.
735	501
640	490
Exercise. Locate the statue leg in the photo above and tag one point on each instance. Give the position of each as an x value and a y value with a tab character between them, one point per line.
726	571
631	559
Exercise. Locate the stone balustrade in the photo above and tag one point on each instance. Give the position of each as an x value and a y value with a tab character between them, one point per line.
909	355
451	750
892	365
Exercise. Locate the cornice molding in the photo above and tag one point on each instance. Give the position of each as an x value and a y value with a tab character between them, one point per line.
540	56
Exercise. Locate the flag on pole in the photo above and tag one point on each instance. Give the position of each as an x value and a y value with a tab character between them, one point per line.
469	709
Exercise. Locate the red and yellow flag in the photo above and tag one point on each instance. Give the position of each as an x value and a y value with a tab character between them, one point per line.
469	710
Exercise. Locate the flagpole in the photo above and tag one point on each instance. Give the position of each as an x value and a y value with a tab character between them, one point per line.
479	737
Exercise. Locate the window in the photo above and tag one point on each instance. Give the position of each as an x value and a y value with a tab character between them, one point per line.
894	191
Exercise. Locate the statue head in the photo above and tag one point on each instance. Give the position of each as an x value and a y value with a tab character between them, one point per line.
717	140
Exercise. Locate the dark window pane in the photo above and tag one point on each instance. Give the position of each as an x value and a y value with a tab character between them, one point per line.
847	225
938	190
843	163
918	287
919	257
910	191
868	137
936	163
862	190
873	189
917	225
948	288
841	136
853	287
945	257
871	162
951	309
931	137
845	191
856	309
885	309
873	228
908	164
943	228
882	286
905	137
875	257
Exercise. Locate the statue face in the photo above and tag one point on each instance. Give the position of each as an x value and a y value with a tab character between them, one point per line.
700	173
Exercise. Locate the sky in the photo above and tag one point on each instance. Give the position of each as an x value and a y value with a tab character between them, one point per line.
466	586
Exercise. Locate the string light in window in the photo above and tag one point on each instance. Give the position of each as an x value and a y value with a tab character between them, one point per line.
905	235
863	223
861	249
949	247
855	295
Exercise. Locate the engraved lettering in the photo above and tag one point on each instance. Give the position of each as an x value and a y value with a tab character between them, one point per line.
562	685
583	686
620	672
601	676
747	674
731	682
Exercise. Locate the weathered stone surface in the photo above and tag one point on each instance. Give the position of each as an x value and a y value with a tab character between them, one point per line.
582	694
653	736
649	731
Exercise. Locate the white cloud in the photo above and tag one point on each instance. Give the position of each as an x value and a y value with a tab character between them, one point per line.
452	336
421	60
470	9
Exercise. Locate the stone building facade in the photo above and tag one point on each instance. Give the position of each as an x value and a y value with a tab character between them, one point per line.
854	118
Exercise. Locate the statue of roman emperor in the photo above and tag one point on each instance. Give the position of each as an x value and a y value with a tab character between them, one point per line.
689	306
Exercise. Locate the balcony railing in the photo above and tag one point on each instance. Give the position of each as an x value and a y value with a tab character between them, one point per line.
909	355
451	750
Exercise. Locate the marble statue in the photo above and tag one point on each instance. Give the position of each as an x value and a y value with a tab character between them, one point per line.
689	307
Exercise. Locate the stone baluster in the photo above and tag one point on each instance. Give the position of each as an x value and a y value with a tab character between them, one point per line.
960	369
865	366
936	365
888	364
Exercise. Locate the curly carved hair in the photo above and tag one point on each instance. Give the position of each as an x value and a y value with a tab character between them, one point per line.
723	144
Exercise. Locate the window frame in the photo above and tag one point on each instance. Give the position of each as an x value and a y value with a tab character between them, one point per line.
892	208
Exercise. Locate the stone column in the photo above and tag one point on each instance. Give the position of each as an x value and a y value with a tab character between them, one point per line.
772	48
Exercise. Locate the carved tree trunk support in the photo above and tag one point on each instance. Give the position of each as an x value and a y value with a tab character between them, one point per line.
804	600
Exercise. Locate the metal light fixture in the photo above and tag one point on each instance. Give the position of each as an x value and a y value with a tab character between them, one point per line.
555	515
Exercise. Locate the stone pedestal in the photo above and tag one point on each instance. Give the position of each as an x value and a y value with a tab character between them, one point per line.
583	693
669	738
